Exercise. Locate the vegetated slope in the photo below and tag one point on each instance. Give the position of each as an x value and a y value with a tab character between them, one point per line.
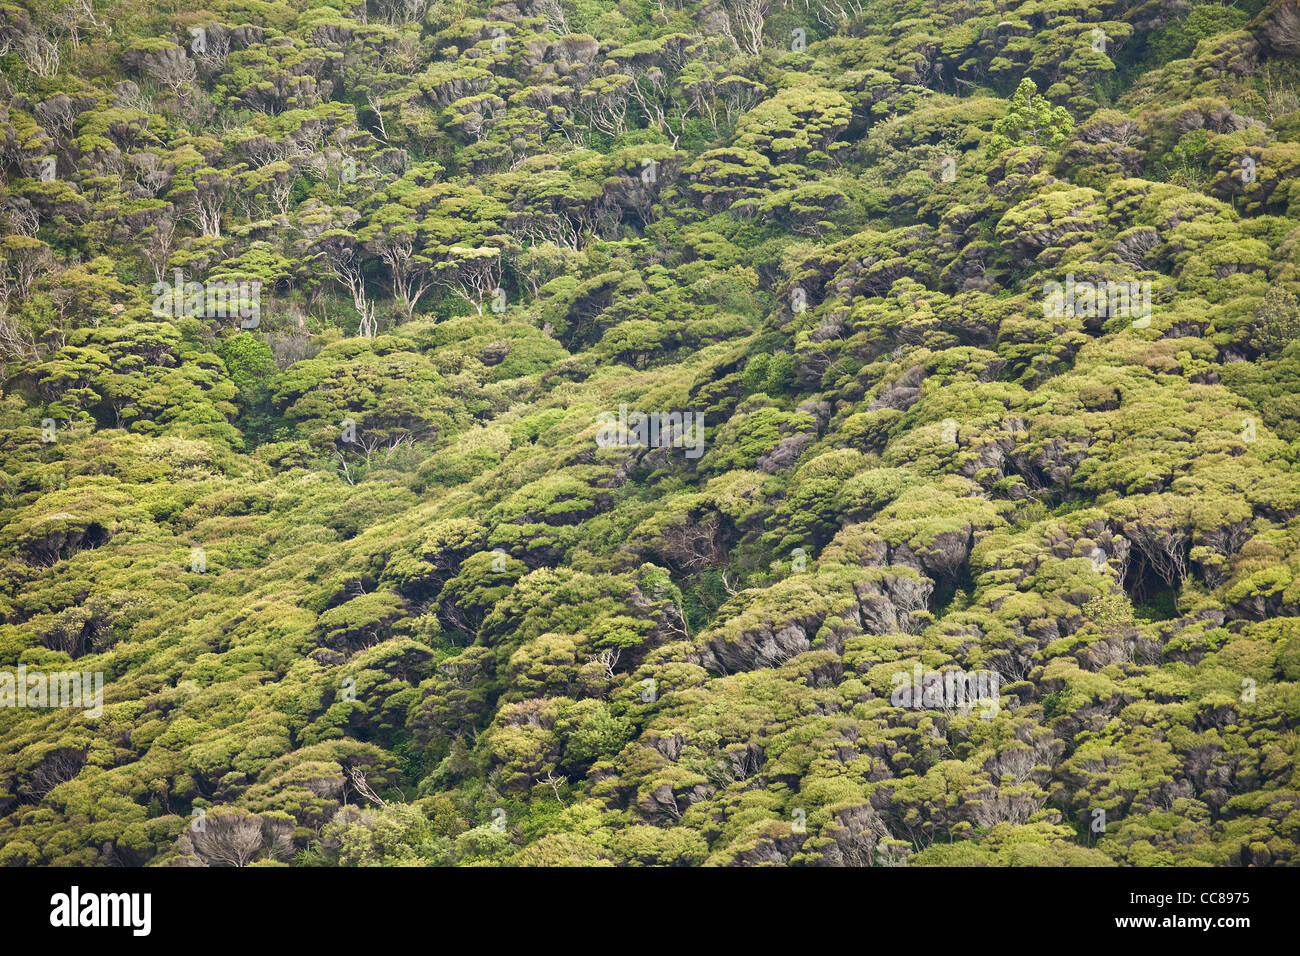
364	585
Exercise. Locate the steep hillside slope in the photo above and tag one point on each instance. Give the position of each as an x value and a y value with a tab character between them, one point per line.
571	432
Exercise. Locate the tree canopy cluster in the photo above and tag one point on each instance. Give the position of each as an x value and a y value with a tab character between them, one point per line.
363	585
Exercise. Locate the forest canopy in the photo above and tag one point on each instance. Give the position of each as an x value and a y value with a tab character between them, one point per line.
650	432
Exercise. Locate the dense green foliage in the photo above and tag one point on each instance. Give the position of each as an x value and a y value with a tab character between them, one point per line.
366	588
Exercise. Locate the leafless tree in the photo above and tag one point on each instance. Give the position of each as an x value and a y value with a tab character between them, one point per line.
829	13
555	783
374	101
39	55
158	245
1165	549
677	622
344	264
129	96
358	778
744	24
57	115
604	104
556	18
55	768
472	274
20	217
215	51
609	660
401	12
70	18
172	69
205	209
410	282
693	544
20	264
234	839
402	56
151	174
995	806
